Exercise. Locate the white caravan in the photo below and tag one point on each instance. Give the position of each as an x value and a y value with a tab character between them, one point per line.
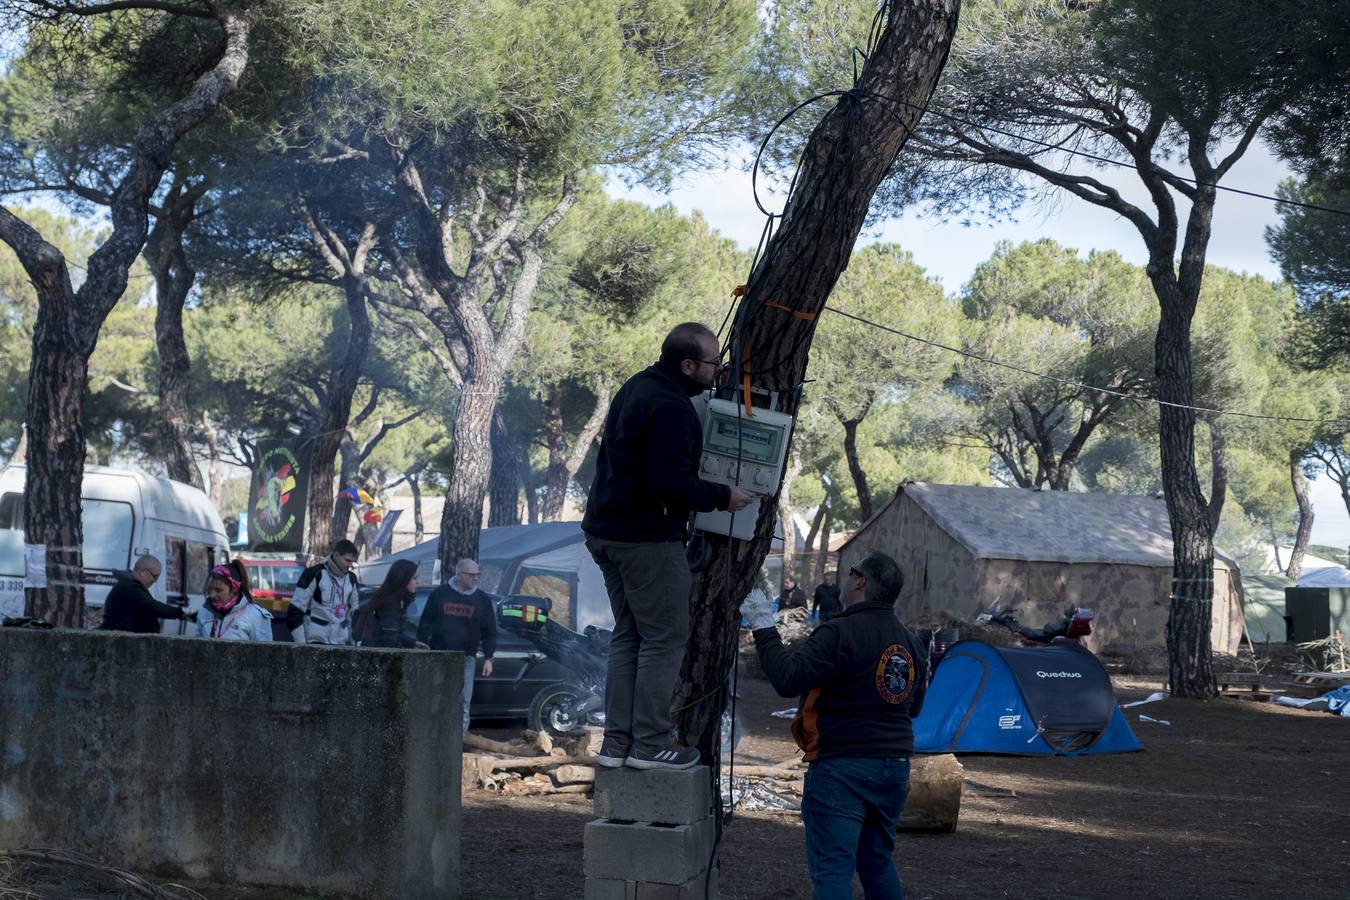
127	513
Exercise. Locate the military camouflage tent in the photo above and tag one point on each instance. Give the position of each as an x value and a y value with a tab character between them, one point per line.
1040	551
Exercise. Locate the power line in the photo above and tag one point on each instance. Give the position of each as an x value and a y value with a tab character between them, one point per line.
1068	382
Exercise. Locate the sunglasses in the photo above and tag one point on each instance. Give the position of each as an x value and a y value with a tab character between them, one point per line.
857	574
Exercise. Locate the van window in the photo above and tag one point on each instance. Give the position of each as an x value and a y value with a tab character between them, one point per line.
107	534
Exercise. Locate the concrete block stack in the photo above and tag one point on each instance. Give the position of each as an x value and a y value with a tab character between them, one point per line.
653	836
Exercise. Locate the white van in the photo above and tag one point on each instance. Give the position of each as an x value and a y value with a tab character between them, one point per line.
127	513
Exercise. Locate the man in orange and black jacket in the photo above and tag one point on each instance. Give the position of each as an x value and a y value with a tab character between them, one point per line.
863	675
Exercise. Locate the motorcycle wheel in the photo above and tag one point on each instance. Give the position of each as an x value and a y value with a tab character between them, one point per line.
551	710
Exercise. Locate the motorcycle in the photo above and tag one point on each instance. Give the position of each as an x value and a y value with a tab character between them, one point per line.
1076	625
564	707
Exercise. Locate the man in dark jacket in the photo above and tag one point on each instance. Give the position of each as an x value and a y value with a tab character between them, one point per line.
646	485
863	675
459	615
130	607
825	601
792	596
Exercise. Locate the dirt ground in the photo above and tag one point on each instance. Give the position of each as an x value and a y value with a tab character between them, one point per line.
1233	799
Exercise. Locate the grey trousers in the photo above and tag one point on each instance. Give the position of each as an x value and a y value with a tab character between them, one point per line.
470	663
648	587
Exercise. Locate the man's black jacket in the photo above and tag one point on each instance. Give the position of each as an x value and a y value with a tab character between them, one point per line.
792	599
455	621
864	676
826	600
646	472
130	607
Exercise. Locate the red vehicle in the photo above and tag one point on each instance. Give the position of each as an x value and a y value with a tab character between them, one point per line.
272	578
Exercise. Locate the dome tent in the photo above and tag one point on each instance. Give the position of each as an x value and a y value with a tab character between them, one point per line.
549	559
1024	701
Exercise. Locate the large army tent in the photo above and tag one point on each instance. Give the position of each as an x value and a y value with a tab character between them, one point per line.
961	548
545	560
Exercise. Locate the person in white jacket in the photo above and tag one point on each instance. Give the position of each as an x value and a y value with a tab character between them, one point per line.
326	594
229	613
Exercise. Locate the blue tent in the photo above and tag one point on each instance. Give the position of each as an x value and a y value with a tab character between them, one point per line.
1034	701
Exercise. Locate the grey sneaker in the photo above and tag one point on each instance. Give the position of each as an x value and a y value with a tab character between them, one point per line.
612	754
670	758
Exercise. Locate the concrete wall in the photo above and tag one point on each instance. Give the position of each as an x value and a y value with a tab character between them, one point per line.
331	770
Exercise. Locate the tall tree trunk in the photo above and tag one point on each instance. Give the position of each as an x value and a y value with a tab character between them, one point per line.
504	487
57	376
1218	478
68	323
334	419
470	466
855	468
531	490
419	529
173	281
1305	516
807	573
555	477
1189	619
848	154
349	471
823	557
786	519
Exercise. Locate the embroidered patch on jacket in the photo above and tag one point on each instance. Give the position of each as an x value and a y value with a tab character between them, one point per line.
894	674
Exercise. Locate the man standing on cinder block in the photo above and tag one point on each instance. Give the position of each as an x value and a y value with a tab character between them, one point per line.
637	515
863	675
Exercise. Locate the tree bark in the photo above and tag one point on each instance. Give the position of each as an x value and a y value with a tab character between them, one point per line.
174	278
1189	648
419	529
816	520
856	470
823	557
786	519
555	476
1218	475
1305	516
68	323
333	421
504	488
848	154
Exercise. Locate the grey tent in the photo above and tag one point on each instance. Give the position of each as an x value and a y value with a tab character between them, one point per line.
546	560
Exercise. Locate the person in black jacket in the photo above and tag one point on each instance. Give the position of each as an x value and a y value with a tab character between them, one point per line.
130	607
381	624
792	596
460	616
646	484
825	600
863	675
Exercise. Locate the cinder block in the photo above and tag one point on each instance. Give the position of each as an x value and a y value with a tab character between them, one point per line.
662	796
610	889
665	854
702	886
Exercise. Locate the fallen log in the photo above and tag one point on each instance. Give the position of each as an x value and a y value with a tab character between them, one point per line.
934	801
572	774
781	771
539	762
478	742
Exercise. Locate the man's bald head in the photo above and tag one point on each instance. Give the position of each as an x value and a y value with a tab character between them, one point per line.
147	570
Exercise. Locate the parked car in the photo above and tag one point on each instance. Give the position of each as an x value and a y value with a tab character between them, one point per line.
519	670
272	578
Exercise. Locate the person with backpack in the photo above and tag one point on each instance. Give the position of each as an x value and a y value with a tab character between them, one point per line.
326	596
378	622
229	612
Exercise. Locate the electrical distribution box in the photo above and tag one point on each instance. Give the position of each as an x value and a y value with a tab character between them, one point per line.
741	449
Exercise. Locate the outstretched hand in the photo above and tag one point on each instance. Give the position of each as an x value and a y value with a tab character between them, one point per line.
757	609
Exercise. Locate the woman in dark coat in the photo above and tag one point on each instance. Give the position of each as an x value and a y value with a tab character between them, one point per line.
389	607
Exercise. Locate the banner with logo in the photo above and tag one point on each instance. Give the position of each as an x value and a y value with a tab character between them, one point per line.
278	495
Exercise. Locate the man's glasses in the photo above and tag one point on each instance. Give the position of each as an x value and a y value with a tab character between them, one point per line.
856	573
715	363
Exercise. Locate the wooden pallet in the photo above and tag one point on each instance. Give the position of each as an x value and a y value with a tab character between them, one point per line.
1325	681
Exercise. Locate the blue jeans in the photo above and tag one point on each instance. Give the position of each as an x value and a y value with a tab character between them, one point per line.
851	807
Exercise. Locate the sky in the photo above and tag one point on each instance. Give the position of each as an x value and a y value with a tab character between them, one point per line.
950	251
